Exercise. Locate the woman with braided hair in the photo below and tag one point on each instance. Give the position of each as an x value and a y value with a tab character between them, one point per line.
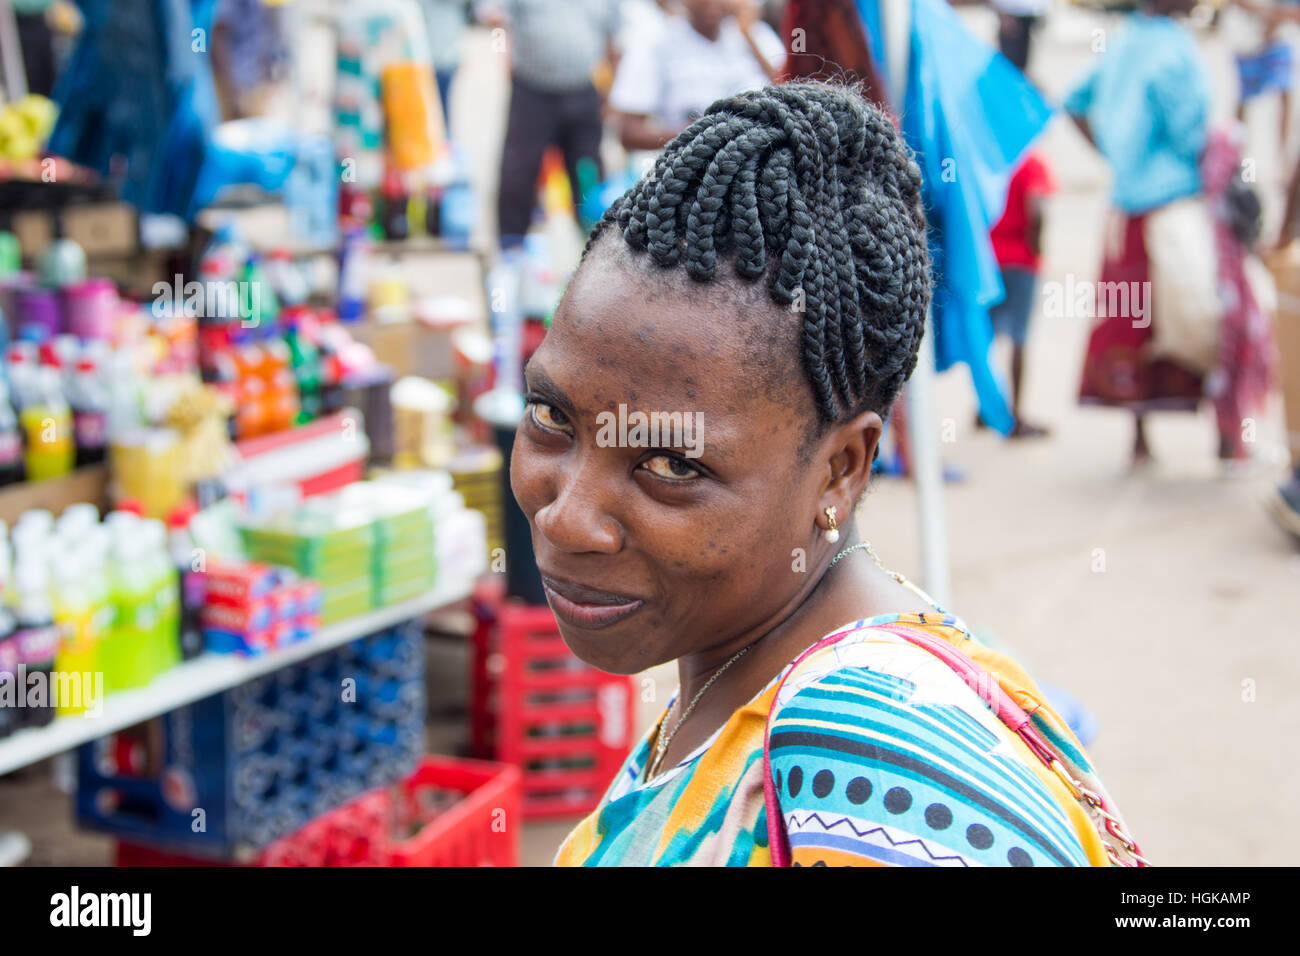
768	282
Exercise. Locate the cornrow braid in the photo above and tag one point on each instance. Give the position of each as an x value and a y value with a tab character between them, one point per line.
810	185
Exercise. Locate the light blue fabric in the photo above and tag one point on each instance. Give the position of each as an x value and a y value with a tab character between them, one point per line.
154	104
969	115
1147	102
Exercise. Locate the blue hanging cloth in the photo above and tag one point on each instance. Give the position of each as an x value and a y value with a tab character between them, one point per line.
138	105
969	115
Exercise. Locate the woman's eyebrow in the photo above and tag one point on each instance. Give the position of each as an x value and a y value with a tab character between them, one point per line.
535	377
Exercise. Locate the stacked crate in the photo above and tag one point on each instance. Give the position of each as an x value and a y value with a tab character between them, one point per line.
449	812
565	724
226	776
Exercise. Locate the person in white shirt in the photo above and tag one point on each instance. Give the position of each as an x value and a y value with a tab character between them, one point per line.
715	48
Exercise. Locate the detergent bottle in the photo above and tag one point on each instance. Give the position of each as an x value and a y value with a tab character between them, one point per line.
47	424
165	639
127	655
74	616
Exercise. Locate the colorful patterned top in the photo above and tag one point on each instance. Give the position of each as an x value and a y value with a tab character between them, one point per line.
882	755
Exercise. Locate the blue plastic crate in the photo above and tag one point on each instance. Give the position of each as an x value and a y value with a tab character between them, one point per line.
262	759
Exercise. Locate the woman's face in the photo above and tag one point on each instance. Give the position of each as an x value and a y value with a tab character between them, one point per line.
651	550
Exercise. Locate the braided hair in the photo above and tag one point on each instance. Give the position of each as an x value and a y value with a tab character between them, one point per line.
811	186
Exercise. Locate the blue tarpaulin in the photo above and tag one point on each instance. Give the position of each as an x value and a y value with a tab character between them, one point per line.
138	105
969	115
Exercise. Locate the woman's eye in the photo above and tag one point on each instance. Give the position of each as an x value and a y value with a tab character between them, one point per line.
671	467
548	416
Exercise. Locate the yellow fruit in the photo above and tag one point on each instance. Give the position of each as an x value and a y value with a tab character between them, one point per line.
39	114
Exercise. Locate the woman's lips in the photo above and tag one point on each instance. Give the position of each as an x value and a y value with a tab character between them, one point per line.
587	607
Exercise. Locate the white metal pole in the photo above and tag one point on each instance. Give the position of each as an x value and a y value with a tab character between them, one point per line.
922	426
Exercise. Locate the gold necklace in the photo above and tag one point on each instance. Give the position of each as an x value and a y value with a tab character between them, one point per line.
866	546
662	746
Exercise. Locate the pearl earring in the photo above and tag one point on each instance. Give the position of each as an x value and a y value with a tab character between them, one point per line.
832	533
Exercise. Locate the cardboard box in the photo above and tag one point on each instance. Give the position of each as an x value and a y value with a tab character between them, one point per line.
409	348
101	229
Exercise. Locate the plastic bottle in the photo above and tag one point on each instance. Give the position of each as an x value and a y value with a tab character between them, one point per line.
98	546
20	360
395	200
124	396
354	276
31	536
6	564
77	521
37	639
89	399
47	424
126	655
180	545
286	278
67	350
11	441
458	211
165	639
76	619
304	357
10	717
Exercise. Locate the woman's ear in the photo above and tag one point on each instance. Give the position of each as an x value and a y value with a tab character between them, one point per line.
854	445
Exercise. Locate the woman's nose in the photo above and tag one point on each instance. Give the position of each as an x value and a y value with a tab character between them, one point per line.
577	519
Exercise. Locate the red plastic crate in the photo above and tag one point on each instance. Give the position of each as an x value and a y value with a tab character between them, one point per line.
355	834
482	829
135	854
565	724
485	667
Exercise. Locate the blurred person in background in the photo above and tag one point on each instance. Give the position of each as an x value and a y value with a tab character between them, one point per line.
250	55
555	48
446	22
1145	107
1018	20
1275	68
1270	67
1240	382
712	49
1018	244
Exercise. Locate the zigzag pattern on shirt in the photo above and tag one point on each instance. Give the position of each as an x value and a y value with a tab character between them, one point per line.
794	822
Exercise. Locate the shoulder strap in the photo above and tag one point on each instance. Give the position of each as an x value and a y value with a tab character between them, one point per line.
777	839
998	700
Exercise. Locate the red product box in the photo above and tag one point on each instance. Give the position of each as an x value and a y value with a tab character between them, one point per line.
309	599
283	602
243	619
239	584
305	625
282	633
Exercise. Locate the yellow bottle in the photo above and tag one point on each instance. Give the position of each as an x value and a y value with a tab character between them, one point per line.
47	424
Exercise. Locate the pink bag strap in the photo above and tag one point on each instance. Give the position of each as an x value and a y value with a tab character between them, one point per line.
777	839
990	691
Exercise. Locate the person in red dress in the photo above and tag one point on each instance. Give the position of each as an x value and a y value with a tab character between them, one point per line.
1017	243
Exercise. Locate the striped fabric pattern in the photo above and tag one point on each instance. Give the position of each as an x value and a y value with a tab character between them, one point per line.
882	756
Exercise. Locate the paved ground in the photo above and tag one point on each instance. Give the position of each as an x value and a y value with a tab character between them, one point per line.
1182	647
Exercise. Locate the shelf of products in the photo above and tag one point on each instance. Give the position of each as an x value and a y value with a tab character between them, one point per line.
211	674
